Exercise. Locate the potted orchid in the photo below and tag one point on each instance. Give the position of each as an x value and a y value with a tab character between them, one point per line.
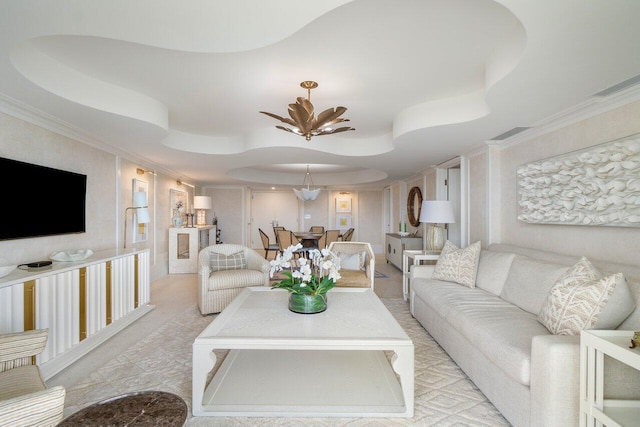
309	283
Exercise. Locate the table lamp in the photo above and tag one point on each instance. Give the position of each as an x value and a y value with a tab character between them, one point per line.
200	204
436	212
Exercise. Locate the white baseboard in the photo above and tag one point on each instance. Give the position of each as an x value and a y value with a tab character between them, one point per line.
57	364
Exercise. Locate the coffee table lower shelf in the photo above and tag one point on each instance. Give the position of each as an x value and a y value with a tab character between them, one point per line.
305	383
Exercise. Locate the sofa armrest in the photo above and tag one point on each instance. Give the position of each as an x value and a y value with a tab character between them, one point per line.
421	271
555	380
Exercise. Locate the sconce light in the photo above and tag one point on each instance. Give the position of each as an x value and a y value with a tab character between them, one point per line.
142	171
200	204
141	211
185	183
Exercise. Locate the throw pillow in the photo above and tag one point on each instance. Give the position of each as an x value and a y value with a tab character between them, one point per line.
458	265
352	261
236	261
577	298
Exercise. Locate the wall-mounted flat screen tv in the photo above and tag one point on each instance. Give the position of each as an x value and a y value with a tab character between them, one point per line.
48	202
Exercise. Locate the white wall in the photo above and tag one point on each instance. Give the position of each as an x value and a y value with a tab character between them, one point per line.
619	244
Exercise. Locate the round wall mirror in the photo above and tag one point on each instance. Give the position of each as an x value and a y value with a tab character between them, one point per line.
414	201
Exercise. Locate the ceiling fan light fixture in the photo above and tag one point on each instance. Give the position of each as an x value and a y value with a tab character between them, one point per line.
304	122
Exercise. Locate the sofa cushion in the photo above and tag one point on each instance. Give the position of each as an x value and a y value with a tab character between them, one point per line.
493	326
493	269
458	265
529	281
577	299
235	261
352	261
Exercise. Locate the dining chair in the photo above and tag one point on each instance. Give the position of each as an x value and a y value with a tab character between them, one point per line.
317	229
348	235
304	250
268	247
322	241
332	236
284	238
276	228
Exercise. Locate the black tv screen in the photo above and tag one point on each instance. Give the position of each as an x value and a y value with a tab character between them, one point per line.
49	202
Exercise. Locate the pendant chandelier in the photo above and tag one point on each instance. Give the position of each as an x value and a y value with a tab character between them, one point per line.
307	193
303	120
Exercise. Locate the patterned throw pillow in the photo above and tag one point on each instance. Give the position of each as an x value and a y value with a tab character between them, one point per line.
352	261
577	298
219	262
458	265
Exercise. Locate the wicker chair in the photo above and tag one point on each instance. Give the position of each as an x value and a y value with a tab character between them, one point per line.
24	397
348	235
224	271
332	236
267	246
355	277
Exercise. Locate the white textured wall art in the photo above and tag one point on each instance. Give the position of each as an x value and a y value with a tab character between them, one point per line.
599	185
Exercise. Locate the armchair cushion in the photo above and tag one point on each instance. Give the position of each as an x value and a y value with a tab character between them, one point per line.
19	381
234	261
352	261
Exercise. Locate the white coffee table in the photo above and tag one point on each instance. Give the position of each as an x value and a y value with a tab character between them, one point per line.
330	364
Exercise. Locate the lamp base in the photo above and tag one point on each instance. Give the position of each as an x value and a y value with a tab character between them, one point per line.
201	217
435	238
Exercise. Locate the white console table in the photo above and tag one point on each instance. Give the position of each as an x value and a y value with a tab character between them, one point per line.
416	257
184	245
594	409
82	303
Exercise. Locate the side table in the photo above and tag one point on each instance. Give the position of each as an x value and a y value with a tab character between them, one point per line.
594	409
416	257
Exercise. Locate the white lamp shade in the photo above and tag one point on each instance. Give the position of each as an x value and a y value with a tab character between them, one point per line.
437	212
202	202
142	215
139	199
305	194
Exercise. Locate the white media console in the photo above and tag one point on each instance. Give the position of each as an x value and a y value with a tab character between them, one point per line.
82	303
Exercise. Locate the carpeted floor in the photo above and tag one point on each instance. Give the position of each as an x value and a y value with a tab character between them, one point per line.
444	396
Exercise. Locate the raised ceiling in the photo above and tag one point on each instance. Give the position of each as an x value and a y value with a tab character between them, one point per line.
179	85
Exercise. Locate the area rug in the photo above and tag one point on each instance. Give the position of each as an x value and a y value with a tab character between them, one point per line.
162	361
379	275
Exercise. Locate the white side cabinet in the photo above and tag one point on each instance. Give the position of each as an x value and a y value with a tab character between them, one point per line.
396	244
184	245
594	409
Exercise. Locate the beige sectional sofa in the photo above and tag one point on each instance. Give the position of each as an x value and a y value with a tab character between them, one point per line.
493	333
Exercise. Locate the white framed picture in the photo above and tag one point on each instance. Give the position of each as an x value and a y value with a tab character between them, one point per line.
343	221
343	204
139	232
178	202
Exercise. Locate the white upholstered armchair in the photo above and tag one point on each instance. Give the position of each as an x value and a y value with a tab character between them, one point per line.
24	398
357	262
224	271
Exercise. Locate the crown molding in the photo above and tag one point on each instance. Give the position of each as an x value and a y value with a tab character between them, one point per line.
585	110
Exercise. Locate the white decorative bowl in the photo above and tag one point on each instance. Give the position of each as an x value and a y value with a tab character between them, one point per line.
69	256
7	269
403	233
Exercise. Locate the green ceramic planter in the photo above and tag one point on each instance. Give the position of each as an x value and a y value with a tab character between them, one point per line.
307	304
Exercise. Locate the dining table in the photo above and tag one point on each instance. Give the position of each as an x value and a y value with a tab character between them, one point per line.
307	238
